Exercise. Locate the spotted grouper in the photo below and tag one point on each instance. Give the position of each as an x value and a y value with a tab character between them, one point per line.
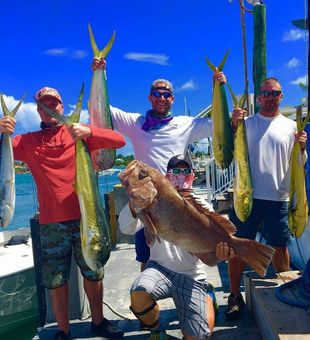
178	217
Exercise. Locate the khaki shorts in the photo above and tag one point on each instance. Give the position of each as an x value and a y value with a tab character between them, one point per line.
57	242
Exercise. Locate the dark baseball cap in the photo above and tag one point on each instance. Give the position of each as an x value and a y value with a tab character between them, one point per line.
176	160
161	84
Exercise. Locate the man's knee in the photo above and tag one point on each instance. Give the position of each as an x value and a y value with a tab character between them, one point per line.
145	308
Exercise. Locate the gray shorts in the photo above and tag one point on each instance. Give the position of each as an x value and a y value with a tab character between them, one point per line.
188	295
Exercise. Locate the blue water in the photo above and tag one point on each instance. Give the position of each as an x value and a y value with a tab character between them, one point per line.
26	202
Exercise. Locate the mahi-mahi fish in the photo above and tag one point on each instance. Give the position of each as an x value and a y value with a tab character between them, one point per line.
94	227
243	189
180	219
99	108
222	139
298	203
7	171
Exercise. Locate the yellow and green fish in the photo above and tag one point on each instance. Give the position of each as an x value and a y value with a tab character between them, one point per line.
99	107
243	189
298	204
222	139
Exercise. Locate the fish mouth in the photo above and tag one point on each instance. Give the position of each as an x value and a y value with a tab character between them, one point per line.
125	173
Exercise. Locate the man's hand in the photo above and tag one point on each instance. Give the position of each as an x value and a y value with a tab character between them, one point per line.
301	138
219	76
237	116
98	64
79	131
7	124
224	252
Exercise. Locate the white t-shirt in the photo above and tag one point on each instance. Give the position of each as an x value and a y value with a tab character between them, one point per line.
270	142
156	147
164	253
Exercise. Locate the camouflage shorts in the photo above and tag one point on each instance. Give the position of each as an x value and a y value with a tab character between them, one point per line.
57	241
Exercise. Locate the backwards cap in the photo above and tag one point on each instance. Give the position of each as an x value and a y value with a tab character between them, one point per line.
164	85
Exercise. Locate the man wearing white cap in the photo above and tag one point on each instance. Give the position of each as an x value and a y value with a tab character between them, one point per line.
50	155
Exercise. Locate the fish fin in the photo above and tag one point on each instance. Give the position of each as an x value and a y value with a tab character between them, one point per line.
104	52
63	119
221	66
256	255
234	98
219	221
6	111
75	116
149	229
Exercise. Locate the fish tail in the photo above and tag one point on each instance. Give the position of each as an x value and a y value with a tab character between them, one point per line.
104	52
258	256
6	111
221	66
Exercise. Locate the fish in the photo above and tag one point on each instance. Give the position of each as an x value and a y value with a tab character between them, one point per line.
99	108
222	138
298	203
96	239
7	171
243	188
179	218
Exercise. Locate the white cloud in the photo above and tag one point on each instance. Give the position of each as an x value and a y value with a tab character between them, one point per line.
293	35
160	59
66	52
79	54
56	52
293	63
299	80
27	117
188	85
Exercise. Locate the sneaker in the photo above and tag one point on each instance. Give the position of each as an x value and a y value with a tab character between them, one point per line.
235	307
106	329
158	335
61	335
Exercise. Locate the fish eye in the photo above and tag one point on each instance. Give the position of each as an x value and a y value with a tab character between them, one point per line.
143	173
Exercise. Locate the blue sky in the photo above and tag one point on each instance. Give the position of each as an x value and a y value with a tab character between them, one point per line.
46	43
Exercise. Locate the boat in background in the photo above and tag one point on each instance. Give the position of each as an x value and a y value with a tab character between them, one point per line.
18	294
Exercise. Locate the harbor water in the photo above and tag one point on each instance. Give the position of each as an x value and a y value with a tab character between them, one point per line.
26	197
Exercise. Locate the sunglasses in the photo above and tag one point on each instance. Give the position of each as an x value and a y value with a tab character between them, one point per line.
270	93
158	94
177	171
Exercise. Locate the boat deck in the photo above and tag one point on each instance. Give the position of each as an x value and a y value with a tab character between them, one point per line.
121	270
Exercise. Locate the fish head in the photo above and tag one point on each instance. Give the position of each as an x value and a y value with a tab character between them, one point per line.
138	179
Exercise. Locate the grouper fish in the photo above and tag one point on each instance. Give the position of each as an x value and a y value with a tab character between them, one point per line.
222	138
99	108
94	227
180	219
7	171
243	189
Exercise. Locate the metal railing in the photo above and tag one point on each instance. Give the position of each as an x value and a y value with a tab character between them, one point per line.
217	180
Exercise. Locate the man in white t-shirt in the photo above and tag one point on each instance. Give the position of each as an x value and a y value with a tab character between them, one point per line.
270	137
173	272
158	135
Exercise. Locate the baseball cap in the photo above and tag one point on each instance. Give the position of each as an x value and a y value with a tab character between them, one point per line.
47	91
167	85
175	160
